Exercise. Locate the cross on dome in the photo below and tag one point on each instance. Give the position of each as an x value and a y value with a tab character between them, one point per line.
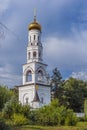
34	24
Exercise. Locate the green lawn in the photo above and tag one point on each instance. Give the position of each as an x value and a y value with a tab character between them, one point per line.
80	126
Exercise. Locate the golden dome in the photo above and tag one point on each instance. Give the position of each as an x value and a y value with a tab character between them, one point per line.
35	25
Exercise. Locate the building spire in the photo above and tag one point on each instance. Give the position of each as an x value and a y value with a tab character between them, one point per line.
34	14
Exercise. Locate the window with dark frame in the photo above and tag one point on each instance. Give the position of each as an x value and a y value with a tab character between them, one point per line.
34	37
29	55
34	54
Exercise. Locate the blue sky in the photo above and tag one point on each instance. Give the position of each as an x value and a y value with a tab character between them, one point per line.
64	37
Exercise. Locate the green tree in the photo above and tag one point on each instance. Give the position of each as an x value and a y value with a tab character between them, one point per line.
85	107
53	114
5	95
13	106
75	90
56	83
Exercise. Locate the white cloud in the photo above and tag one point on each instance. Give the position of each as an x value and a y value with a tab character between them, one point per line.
69	52
80	75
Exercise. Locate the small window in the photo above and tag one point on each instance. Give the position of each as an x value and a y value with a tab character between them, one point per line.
34	54
34	37
38	38
29	76
29	55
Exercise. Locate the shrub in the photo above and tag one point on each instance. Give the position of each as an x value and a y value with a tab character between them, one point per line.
71	118
3	126
19	119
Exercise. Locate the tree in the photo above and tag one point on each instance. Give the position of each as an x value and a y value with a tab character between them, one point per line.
75	90
56	78
56	82
14	107
5	95
85	107
53	114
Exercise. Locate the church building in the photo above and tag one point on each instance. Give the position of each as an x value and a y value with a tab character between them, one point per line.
35	90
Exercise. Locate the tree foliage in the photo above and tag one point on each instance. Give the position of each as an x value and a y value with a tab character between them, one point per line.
5	95
75	90
56	83
85	108
3	125
53	114
71	92
19	119
13	106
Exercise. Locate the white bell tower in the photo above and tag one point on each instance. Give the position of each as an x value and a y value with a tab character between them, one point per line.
35	90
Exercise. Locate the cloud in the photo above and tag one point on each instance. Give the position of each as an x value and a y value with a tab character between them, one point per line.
68	53
7	76
80	75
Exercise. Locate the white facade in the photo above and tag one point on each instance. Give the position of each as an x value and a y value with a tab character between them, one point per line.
35	90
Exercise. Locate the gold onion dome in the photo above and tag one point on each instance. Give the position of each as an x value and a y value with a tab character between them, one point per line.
34	25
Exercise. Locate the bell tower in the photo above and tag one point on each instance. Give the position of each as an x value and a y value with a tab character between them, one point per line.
35	90
34	49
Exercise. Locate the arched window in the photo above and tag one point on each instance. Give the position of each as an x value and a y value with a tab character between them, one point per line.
40	75
29	55
29	76
34	54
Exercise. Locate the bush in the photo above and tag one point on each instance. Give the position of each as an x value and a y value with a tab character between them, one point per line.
53	114
3	126
19	119
71	118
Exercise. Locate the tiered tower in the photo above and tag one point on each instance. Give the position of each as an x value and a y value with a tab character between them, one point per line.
35	90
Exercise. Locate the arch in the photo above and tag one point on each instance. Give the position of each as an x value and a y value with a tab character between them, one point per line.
28	68
42	69
28	76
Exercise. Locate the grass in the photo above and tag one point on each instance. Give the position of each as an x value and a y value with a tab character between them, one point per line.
80	126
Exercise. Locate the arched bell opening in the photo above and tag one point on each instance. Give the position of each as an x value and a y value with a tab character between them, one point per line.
29	76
